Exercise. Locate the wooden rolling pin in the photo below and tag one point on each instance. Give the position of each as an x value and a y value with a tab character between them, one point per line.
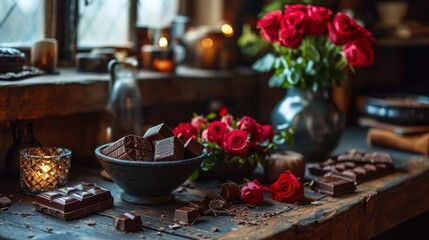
414	143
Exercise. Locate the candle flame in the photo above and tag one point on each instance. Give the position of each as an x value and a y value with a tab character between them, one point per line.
163	42
207	43
46	168
227	30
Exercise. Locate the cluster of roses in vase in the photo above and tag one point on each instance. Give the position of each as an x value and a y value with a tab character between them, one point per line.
239	140
235	138
288	28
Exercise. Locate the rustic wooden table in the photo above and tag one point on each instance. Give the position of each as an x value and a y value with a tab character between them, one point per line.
375	207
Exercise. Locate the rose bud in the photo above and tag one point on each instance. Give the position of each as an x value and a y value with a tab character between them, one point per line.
343	29
269	26
253	192
246	123
292	28
359	53
317	20
199	122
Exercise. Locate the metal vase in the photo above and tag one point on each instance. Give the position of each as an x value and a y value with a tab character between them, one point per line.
316	121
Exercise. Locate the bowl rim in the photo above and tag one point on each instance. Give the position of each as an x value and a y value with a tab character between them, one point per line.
99	154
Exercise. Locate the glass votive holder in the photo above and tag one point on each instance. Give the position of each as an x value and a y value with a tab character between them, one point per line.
43	169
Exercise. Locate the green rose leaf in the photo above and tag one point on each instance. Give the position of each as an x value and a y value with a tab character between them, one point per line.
265	64
313	54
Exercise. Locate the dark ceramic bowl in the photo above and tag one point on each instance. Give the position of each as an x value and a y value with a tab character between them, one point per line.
148	183
393	108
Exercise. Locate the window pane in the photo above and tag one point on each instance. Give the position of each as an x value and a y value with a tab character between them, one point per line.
103	23
156	13
21	22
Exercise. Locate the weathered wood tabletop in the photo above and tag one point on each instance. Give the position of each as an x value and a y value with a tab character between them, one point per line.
375	207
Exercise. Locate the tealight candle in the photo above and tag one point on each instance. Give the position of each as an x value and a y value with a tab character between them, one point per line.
163	60
43	169
158	58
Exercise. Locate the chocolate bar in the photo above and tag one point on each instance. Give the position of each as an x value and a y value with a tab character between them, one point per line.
373	157
73	202
193	148
168	149
332	185
128	222
186	215
355	165
130	147
229	191
158	132
361	172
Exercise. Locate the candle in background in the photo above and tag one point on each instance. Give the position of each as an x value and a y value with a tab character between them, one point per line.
43	169
44	54
227	30
163	60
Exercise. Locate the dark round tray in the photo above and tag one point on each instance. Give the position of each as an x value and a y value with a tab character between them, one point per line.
403	109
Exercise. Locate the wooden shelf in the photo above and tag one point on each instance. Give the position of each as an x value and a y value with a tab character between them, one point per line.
402	42
72	92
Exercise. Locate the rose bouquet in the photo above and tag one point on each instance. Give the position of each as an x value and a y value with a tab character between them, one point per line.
240	141
312	48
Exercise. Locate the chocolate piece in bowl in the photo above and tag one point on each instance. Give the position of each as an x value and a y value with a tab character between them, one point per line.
186	215
130	147
169	149
158	132
128	222
73	202
193	148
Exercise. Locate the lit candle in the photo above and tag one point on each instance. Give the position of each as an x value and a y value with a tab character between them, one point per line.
227	30
163	59
43	169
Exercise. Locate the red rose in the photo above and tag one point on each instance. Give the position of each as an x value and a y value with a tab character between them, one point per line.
269	25
292	28
359	53
236	143
216	131
287	188
198	122
253	192
343	29
317	20
258	137
268	132
246	123
227	119
184	131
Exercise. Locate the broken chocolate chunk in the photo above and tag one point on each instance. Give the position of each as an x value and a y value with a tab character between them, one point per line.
4	202
130	147
193	148
333	185
158	132
186	215
169	149
229	191
128	222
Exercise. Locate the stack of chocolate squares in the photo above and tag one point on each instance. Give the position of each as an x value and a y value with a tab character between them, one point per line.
341	174
157	144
